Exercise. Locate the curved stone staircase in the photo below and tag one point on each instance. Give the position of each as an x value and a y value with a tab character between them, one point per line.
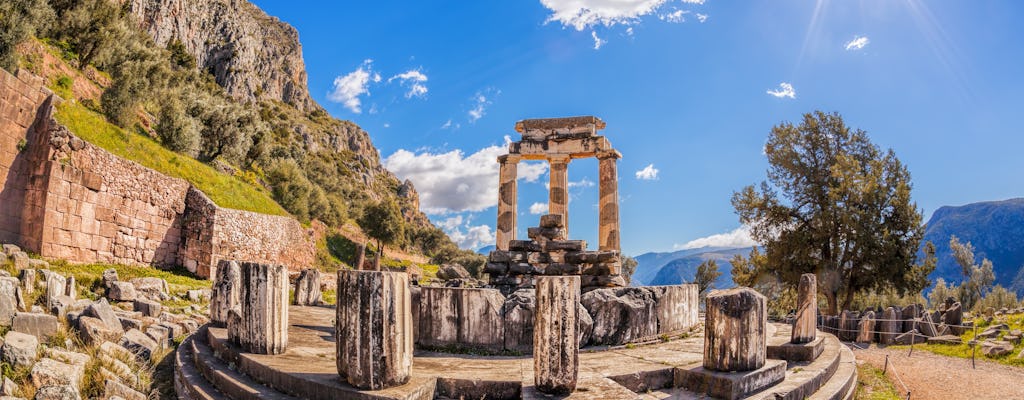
208	367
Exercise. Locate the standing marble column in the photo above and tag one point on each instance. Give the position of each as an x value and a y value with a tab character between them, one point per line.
804	329
556	339
374	329
263	298
608	206
225	293
360	256
507	196
558	192
734	330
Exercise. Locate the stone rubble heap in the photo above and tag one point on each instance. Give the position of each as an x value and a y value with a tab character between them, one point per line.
548	252
128	328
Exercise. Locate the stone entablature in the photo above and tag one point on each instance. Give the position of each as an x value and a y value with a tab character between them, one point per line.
62	197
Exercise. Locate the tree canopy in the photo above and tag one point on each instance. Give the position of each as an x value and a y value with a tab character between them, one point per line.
383	222
836	205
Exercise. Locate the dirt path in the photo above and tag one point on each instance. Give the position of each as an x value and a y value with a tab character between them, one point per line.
931	376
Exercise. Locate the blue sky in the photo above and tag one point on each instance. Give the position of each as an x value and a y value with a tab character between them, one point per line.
684	88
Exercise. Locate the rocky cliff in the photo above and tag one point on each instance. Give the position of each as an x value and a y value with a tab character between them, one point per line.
251	54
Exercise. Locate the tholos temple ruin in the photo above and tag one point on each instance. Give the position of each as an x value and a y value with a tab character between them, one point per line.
556	320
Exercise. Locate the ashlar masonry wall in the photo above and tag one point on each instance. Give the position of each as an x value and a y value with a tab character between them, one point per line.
62	197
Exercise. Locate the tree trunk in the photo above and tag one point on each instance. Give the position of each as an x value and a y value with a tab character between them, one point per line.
832	303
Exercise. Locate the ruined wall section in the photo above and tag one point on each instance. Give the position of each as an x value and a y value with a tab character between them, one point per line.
20	98
213	233
62	197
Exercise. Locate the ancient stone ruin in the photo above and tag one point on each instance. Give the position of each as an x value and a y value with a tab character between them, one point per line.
515	263
374	328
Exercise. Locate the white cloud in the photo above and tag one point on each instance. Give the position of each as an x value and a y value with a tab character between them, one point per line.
784	90
629	31
674	17
455	182
598	42
701	17
649	173
412	79
583	183
348	88
480	103
467	236
581	14
387	124
538	208
857	43
451	125
739	237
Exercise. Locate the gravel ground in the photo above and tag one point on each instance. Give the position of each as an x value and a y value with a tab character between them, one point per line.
932	376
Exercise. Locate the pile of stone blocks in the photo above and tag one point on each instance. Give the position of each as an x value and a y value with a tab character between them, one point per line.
548	252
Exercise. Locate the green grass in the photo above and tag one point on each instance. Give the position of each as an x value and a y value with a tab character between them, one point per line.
91	275
872	384
964	350
225	190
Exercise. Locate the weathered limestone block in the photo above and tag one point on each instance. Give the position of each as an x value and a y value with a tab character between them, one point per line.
109	276
93	331
676	307
225	292
56	392
263	298
55	287
50	372
374	328
556	334
139	344
954	317
467	317
804	326
586	326
20	259
101	310
927	327
909	313
121	291
518	313
307	288
866	328
19	349
847	326
621	315
151	288
734	330
889	327
8	299
42	326
71	288
28	280
148	308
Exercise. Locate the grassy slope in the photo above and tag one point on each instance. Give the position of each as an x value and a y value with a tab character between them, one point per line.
964	350
225	190
872	384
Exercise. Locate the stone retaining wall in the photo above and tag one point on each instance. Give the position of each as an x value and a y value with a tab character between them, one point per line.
62	197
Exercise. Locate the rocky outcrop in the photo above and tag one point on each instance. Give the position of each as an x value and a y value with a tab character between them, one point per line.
251	54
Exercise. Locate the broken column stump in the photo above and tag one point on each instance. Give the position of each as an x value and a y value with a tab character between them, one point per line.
263	304
307	288
224	295
804	329
556	334
735	361
374	329
734	337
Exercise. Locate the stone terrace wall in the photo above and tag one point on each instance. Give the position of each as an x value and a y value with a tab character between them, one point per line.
20	98
64	198
213	234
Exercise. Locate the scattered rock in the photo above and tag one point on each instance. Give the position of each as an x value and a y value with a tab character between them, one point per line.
20	259
38	264
50	372
10	249
116	351
912	337
8	299
139	343
114	388
57	392
19	349
452	271
160	334
109	277
28	280
42	326
130	323
68	357
121	291
102	311
945	339
8	388
996	348
620	315
198	295
148	308
94	330
71	288
307	288
151	288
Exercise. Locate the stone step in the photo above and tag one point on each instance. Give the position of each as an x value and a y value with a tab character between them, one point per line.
188	382
843	383
805	378
234	384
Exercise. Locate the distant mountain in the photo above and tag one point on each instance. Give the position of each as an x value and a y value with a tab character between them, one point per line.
486	250
684	269
995	228
648	264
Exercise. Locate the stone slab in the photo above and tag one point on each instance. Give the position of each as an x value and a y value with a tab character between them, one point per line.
796	351
730	385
